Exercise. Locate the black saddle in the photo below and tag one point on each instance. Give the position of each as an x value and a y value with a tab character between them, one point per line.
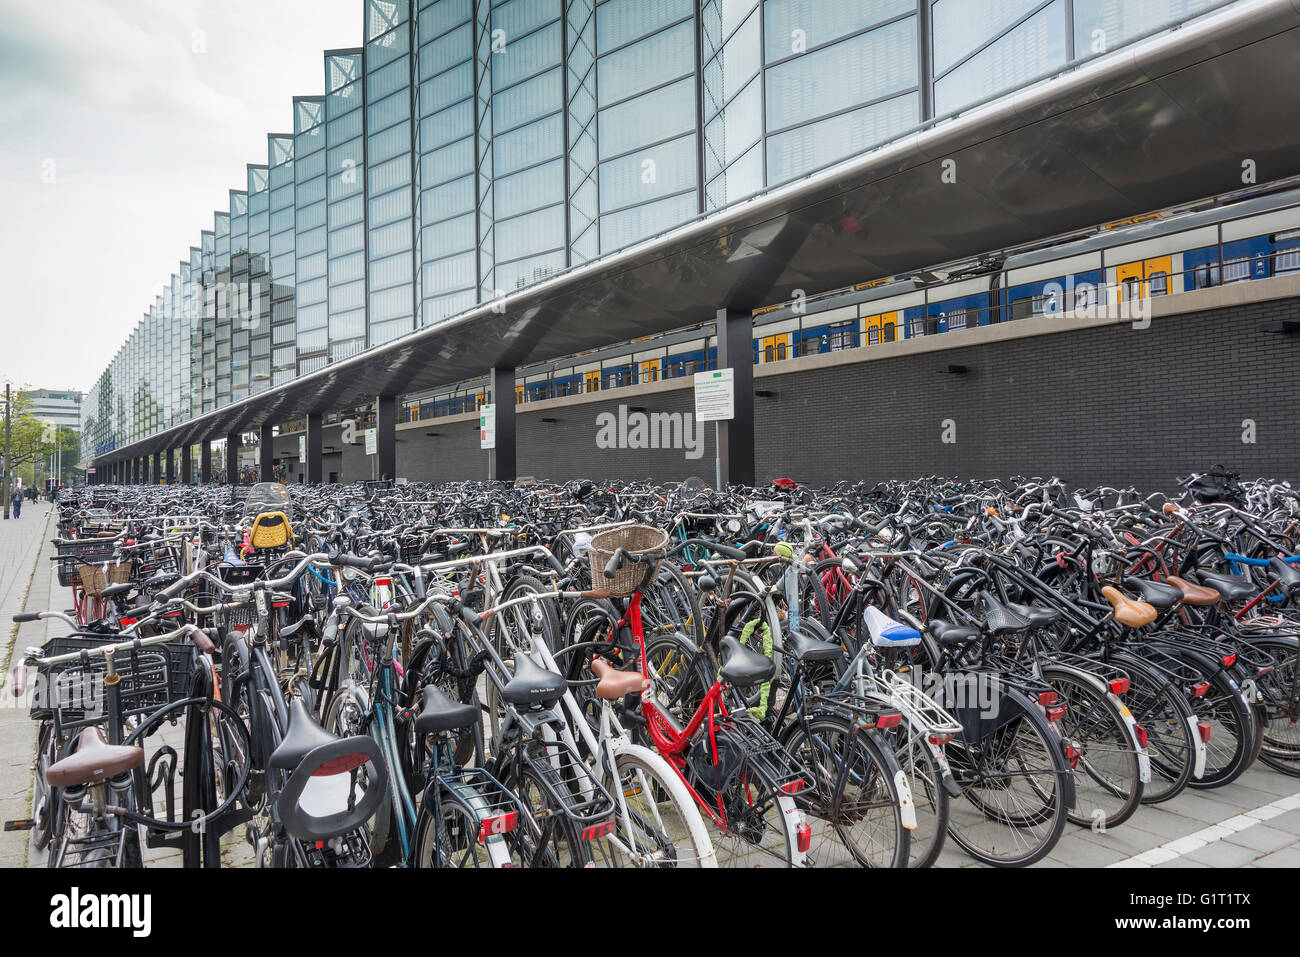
1286	573
533	686
304	735
1159	595
1000	619
439	712
950	635
743	667
803	647
112	591
1229	587
1036	615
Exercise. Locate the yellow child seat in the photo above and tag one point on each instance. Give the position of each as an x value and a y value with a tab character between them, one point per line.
270	530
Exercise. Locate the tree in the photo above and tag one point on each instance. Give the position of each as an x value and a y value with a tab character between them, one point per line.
29	438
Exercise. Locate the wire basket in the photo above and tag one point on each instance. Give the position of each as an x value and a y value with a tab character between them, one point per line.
73	692
635	540
95	578
72	555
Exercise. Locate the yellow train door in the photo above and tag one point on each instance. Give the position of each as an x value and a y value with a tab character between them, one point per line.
519	395
881	328
591	381
776	348
1145	278
1158	275
650	371
1129	276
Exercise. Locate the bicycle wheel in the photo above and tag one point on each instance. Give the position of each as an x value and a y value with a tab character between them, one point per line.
657	823
925	779
1014	781
1281	691
451	840
1232	734
42	805
856	793
547	837
1159	706
1107	776
681	675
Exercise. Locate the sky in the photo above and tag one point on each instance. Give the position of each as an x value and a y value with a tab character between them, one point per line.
124	124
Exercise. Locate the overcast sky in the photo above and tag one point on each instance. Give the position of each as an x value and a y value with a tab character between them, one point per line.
144	114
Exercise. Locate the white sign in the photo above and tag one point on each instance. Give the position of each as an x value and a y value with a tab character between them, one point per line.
487	426
715	395
302	448
372	441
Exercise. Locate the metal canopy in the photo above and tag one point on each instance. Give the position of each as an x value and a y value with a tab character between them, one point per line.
1167	121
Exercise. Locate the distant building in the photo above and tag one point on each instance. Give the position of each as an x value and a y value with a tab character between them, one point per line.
58	408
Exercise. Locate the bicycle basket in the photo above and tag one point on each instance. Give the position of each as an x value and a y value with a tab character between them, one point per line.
74	691
633	539
94	580
71	555
271	530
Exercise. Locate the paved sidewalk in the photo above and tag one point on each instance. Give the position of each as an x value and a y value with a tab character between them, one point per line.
24	545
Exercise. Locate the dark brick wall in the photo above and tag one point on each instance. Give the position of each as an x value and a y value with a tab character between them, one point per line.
1110	405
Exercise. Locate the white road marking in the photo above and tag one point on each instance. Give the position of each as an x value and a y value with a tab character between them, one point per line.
1172	850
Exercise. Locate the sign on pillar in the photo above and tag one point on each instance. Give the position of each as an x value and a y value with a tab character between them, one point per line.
487	426
715	401
372	441
302	448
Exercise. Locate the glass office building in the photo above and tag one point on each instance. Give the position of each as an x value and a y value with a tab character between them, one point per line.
471	148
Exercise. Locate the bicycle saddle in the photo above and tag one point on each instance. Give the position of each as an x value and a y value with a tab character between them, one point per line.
1130	613
1286	573
1036	615
119	589
533	686
742	666
615	684
94	762
439	712
807	648
950	635
999	618
1161	595
304	735
1194	594
1229	587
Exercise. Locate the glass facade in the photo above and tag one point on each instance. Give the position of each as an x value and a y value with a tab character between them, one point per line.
470	148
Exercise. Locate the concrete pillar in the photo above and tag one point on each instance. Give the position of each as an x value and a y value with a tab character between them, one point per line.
735	332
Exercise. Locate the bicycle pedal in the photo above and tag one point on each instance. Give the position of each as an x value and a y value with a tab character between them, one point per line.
23	824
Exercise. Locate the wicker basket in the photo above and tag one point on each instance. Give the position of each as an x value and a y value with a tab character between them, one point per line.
634	539
94	581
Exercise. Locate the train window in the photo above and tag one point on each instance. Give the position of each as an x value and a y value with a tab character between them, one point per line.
917	327
1235	270
690	367
957	319
1287	260
873	335
1159	284
1133	288
887	332
842	335
1207	275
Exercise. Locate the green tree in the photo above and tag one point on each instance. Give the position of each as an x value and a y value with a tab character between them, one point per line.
29	439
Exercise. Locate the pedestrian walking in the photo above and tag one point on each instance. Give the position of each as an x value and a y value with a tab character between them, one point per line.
16	502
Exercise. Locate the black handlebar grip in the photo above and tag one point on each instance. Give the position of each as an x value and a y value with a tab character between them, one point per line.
27	616
354	561
139	611
725	550
614	563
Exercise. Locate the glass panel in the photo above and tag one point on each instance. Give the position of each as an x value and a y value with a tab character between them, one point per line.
522	16
446	88
961	27
1119	21
807	148
1030	50
735	130
531	189
621	21
648	174
456	272
447	237
524	57
528	145
624	228
454	160
526	272
390	272
438	18
655	116
527	101
852	71
450	124
534	232
394	205
447	51
447	200
654	61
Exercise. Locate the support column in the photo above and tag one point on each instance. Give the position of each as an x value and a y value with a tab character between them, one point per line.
205	461
155	476
386	437
315	447
232	458
187	464
735	331
266	454
503	397
137	477
171	466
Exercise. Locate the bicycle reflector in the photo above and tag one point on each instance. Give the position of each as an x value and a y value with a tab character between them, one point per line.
497	824
803	837
1057	713
1204	728
127	622
1119	686
939	740
1141	734
1048	698
1229	660
340	765
793	787
384	582
1200	688
891	720
1072	753
603	829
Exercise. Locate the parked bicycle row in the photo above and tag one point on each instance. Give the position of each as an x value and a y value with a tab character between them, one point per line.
629	674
